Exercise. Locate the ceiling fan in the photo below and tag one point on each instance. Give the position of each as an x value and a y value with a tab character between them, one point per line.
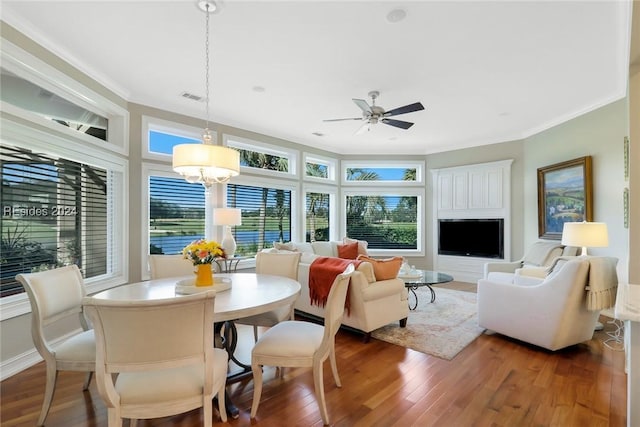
372	114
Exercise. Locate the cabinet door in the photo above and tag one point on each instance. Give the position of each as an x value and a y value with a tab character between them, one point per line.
494	189
460	190
477	190
445	192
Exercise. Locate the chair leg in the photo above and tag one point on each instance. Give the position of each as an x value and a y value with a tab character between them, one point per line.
403	322
114	419
257	388
87	381
255	333
334	365
49	389
207	409
222	408
318	384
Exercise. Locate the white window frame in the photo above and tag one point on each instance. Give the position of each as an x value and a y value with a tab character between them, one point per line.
27	66
372	164
75	149
391	192
172	128
334	226
329	162
149	170
290	154
259	181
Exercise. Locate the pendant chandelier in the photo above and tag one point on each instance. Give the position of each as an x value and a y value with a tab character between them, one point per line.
206	163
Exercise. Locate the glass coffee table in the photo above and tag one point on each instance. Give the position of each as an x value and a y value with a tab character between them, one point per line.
423	278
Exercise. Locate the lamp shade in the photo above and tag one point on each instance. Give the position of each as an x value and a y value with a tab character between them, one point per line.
227	216
585	234
205	162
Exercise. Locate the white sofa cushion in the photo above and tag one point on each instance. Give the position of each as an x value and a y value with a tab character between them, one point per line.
325	248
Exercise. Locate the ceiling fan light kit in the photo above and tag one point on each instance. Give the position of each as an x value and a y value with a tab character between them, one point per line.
374	114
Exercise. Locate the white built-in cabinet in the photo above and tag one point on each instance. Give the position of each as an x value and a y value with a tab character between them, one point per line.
471	191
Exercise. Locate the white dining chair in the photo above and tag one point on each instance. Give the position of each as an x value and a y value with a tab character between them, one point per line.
277	264
56	295
162	266
303	344
155	358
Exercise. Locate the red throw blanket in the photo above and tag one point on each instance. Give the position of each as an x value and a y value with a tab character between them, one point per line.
322	272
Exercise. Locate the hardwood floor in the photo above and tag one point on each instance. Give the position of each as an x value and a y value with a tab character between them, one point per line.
494	381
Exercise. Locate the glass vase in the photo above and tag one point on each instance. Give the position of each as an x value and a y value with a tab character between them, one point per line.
204	275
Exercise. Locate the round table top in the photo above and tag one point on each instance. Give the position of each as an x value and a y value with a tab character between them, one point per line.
250	293
426	277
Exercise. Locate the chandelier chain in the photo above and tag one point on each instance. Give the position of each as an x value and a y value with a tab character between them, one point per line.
206	48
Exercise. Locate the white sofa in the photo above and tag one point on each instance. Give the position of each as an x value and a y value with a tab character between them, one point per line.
561	310
373	304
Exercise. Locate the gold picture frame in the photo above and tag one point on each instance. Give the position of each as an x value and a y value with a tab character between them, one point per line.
565	194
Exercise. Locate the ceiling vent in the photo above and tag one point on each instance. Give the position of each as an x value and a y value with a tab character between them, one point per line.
192	97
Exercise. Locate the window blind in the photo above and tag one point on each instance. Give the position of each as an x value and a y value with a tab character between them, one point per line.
54	213
266	216
176	214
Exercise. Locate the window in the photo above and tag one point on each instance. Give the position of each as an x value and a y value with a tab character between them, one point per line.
266	216
176	214
37	92
383	204
54	213
383	173
264	158
30	97
64	179
318	214
159	136
321	169
386	222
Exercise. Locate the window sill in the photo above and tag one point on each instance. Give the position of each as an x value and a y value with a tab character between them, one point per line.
18	305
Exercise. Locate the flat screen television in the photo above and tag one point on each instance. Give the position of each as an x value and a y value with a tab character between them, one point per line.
483	238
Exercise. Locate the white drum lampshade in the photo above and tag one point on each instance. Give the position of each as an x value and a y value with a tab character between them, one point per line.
585	235
206	163
228	217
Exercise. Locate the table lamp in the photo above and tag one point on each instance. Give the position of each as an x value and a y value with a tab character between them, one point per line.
585	234
228	217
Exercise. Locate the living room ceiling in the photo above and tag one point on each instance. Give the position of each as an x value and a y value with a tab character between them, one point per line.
486	71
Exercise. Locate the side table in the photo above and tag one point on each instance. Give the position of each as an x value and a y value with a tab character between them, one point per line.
229	265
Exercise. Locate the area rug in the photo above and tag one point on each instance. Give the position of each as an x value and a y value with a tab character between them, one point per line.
442	328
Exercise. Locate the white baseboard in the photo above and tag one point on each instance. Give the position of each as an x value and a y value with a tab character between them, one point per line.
19	363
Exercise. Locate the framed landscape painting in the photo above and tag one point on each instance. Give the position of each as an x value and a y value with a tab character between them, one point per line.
565	194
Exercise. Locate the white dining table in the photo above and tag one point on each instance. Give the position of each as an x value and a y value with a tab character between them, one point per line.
250	294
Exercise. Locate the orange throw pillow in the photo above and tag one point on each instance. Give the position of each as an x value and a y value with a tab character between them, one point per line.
348	251
384	269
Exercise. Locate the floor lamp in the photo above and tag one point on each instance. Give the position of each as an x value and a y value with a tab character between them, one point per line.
586	235
228	217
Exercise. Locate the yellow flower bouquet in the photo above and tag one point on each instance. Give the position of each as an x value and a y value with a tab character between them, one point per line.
202	251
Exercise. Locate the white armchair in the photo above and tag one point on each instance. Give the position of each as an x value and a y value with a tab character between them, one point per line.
540	255
555	313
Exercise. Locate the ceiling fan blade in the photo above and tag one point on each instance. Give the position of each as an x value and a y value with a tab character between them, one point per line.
340	120
363	105
406	109
397	123
366	126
